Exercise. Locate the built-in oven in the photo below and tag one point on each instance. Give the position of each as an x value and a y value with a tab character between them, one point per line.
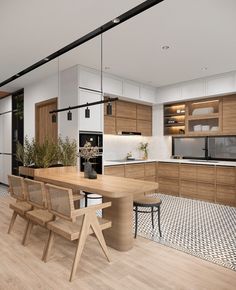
96	139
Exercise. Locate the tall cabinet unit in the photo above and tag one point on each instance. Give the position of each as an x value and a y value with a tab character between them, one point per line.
5	139
17	127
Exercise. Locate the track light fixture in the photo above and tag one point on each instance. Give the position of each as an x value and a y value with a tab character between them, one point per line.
109	108
69	116
54	118
87	112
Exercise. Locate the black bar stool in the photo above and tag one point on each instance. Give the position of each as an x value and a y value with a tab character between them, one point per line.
148	202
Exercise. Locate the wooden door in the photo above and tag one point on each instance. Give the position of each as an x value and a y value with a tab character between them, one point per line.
44	127
229	115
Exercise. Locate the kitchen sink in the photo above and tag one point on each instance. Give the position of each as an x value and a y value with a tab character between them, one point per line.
207	161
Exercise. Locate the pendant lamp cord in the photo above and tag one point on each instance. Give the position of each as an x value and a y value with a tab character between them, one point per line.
101	66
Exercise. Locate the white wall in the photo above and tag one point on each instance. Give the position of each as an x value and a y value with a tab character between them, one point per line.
35	93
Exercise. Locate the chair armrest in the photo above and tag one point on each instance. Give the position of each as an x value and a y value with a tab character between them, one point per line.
92	208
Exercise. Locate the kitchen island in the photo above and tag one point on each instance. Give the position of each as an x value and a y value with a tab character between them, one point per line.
120	191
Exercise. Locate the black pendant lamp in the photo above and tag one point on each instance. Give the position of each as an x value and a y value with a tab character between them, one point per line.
109	109
87	112
54	118
69	116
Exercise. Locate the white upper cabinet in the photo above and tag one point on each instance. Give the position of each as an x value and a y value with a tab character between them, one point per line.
193	89
131	90
89	79
112	85
5	105
220	84
95	122
147	93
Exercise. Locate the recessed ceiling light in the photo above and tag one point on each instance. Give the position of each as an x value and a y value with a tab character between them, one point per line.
204	68
116	20
165	47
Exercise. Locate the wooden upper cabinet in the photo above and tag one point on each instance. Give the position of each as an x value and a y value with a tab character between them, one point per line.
145	127
229	114
124	124
144	112
109	125
126	110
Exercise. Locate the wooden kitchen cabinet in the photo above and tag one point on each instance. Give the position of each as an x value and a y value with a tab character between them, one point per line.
206	191
188	172
150	169
109	125
168	170
145	127
135	170
126	110
225	175
229	115
226	194
206	174
117	170
123	124
168	186
188	189
144	112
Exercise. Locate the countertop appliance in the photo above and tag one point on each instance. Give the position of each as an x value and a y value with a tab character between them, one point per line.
96	139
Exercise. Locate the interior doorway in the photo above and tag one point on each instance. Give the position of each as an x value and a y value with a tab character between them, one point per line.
44	127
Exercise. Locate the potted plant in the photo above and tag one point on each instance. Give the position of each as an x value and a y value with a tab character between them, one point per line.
34	155
88	152
143	146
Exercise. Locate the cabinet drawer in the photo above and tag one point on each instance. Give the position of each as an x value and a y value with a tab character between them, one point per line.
126	110
150	169
145	127
168	170
144	112
206	174
225	175
123	124
226	195
206	191
109	125
188	172
118	170
134	171
168	186
188	189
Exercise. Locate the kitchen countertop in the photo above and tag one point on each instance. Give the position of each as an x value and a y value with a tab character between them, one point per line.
182	161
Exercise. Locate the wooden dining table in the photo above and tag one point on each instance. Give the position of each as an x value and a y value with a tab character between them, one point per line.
119	190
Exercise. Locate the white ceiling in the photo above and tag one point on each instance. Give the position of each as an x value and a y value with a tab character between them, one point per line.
200	34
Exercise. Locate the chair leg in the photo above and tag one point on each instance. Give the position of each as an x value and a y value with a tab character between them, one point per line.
13	218
136	222
159	219
48	246
152	217
99	235
80	245
28	230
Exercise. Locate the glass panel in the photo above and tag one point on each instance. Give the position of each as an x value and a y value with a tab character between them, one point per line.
222	147
189	147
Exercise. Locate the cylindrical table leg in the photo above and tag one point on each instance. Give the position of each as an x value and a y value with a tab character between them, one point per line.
120	235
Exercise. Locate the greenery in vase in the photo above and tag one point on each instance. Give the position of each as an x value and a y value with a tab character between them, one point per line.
143	146
88	151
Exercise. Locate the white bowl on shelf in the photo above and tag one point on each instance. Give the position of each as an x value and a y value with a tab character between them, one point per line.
205	128
197	128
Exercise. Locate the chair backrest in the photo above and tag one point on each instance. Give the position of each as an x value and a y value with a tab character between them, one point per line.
60	201
36	193
16	187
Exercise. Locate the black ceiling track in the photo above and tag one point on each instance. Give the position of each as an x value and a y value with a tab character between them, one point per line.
107	26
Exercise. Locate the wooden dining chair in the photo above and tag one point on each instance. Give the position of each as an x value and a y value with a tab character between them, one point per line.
36	196
74	224
17	191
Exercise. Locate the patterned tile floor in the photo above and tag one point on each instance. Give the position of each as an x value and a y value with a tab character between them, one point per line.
199	228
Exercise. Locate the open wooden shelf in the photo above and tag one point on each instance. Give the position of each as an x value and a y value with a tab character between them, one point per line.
176	113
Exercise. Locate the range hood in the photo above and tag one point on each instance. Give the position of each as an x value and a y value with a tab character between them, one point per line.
129	133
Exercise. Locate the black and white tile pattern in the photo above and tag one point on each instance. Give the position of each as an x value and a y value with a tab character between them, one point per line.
3	190
199	228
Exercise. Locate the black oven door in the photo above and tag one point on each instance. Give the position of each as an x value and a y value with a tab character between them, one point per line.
96	164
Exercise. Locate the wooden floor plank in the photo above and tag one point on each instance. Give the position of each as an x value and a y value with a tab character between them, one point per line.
148	265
